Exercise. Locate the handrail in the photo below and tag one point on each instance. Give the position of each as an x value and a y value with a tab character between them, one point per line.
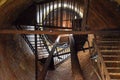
101	64
61	50
26	39
94	66
43	37
44	42
48	61
44	71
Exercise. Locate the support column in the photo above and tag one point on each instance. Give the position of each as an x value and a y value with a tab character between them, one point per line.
76	68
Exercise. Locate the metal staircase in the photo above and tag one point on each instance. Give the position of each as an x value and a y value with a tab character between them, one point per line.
44	46
108	51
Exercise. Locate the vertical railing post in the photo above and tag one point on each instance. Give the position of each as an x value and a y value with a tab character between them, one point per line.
36	56
85	14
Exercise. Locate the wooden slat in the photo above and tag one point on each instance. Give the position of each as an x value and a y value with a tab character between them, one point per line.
41	32
54	32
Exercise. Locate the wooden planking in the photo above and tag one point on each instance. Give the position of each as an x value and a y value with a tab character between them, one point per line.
41	32
76	67
53	32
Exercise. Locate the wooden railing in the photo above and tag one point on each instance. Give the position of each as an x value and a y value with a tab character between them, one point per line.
76	67
100	63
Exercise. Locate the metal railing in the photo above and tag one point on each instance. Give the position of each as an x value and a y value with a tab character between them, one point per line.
60	55
55	53
26	39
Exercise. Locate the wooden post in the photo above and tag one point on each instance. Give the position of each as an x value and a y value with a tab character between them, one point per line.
85	14
76	68
36	57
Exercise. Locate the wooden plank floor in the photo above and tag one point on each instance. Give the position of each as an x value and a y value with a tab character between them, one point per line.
63	72
84	59
86	66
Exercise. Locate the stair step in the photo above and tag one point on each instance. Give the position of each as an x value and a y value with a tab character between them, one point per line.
42	56
109	47
112	64
108	44
34	42
112	45
41	48
111	56
44	53
110	36
111	59
114	76
109	51
105	41
113	67
113	70
109	39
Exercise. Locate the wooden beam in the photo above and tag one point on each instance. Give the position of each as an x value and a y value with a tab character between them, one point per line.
49	59
47	64
55	32
76	68
85	14
54	27
42	32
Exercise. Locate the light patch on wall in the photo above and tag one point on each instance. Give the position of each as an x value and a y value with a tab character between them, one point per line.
65	5
2	2
118	1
